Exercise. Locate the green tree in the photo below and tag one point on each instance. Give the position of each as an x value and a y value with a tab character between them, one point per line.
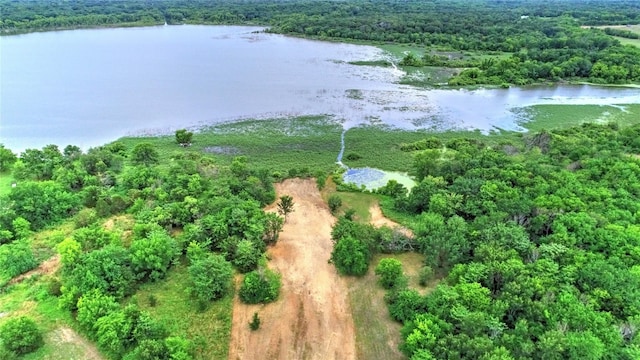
272	228
7	158
285	206
21	228
70	251
152	256
21	335
246	256
92	306
144	154
42	203
334	203
183	137
15	259
350	256
389	270
260	286
210	277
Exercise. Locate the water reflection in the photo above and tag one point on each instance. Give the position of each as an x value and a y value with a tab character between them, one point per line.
90	86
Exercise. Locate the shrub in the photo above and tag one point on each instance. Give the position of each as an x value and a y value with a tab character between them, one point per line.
353	156
246	256
21	335
21	228
178	348
350	256
211	277
426	275
261	286
255	322
152	256
389	270
85	217
334	203
16	258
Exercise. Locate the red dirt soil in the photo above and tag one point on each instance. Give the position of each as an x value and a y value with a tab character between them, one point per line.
312	318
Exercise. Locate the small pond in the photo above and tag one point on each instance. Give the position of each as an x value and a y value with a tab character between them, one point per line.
373	178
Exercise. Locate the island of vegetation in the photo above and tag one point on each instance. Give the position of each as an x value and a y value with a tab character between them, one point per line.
511	245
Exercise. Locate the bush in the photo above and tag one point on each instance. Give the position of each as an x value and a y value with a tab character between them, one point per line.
15	259
426	275
389	270
211	277
255	322
152	256
85	217
353	156
261	286
21	335
246	256
334	203
350	256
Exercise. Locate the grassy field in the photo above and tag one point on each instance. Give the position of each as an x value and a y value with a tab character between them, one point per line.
61	340
428	76
278	144
313	143
564	116
624	41
377	335
379	147
209	330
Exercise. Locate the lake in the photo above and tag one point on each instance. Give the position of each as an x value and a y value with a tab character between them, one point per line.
88	87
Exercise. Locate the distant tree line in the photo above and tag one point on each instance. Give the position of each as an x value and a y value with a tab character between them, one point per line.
546	41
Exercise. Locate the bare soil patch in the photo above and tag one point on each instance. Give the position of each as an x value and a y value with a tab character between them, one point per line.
75	345
378	220
312	319
47	267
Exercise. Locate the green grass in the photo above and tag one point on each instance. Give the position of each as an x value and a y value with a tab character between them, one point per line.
360	202
313	143
209	330
377	335
277	144
30	298
564	116
379	147
427	75
625	41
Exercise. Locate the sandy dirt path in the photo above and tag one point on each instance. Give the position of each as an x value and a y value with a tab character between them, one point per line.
312	319
47	267
378	220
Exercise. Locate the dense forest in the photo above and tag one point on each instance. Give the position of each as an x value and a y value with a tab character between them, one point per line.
218	211
543	42
538	244
531	241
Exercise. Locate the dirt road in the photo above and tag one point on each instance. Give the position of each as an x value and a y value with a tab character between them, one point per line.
312	318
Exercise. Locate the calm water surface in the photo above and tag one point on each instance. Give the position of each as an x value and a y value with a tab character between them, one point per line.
87	87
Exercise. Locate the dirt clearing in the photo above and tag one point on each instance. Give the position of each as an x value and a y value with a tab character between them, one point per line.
312	319
72	346
378	220
47	267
